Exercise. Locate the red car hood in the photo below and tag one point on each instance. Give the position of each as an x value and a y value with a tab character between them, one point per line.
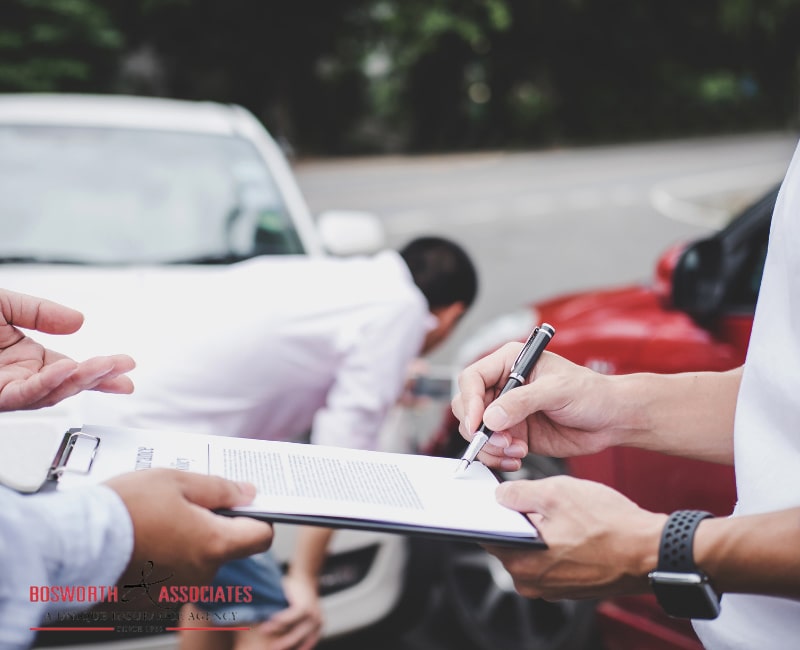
629	329
599	305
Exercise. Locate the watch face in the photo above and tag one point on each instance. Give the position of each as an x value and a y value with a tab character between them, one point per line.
685	595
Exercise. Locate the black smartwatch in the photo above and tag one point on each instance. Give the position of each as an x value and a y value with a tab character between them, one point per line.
680	587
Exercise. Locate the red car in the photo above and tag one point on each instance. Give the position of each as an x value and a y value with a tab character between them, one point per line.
696	315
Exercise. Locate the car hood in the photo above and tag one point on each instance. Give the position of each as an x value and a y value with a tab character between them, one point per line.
579	319
592	308
629	329
617	330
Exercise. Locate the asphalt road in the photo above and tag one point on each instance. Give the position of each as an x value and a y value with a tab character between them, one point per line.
543	223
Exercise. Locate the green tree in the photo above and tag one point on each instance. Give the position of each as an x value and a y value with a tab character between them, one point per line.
426	63
284	61
344	76
56	45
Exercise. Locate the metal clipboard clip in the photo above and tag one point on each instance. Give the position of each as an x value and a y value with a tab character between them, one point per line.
68	443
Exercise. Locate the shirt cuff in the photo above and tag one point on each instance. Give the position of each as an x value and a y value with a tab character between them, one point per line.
91	535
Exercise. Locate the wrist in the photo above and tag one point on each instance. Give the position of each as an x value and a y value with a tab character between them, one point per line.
682	589
91	526
650	543
632	414
304	575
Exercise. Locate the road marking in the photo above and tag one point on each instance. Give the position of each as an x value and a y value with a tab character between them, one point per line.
709	200
515	209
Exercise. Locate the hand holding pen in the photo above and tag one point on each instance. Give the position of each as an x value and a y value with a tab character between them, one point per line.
521	369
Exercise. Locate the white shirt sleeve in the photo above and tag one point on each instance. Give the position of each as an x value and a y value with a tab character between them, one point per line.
81	537
371	377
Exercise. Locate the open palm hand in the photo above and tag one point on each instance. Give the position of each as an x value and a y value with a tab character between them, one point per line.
32	376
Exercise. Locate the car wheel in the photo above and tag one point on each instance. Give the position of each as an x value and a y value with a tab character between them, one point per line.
422	570
480	595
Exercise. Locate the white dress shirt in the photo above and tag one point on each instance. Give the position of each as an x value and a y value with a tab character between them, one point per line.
268	348
78	538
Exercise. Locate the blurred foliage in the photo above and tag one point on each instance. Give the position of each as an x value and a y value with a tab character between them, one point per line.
56	45
426	65
344	76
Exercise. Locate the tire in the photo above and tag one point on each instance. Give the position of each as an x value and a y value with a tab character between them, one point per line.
479	594
423	572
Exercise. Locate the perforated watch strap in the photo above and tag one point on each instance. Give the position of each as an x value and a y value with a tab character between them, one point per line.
675	552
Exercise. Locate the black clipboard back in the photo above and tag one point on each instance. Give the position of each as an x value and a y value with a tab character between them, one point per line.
445	534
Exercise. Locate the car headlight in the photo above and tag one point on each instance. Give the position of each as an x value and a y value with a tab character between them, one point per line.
344	570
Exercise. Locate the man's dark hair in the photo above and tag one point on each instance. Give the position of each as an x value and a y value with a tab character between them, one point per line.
442	270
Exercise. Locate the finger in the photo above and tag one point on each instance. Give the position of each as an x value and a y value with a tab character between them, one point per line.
214	492
507	458
481	377
281	622
459	412
227	538
96	370
270	628
242	536
544	394
29	312
496	445
296	636
115	380
122	385
517	448
539	496
504	464
504	451
85	376
33	391
299	637
491	370
121	363
312	640
521	496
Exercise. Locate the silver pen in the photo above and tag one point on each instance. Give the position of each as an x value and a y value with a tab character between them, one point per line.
523	365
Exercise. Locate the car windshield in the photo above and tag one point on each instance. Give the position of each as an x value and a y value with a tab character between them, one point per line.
109	196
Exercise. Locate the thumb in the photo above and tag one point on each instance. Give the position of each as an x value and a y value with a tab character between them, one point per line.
26	393
214	492
34	313
515	405
537	496
240	536
244	536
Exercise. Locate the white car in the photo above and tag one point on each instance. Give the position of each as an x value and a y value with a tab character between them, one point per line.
91	183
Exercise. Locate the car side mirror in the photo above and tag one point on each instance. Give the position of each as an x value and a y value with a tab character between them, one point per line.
665	270
698	285
349	232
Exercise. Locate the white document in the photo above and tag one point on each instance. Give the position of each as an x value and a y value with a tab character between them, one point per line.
315	484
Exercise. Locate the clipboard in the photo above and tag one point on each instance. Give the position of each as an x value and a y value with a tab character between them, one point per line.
41	451
384	526
420	496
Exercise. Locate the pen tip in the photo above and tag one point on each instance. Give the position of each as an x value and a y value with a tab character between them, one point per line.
462	467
